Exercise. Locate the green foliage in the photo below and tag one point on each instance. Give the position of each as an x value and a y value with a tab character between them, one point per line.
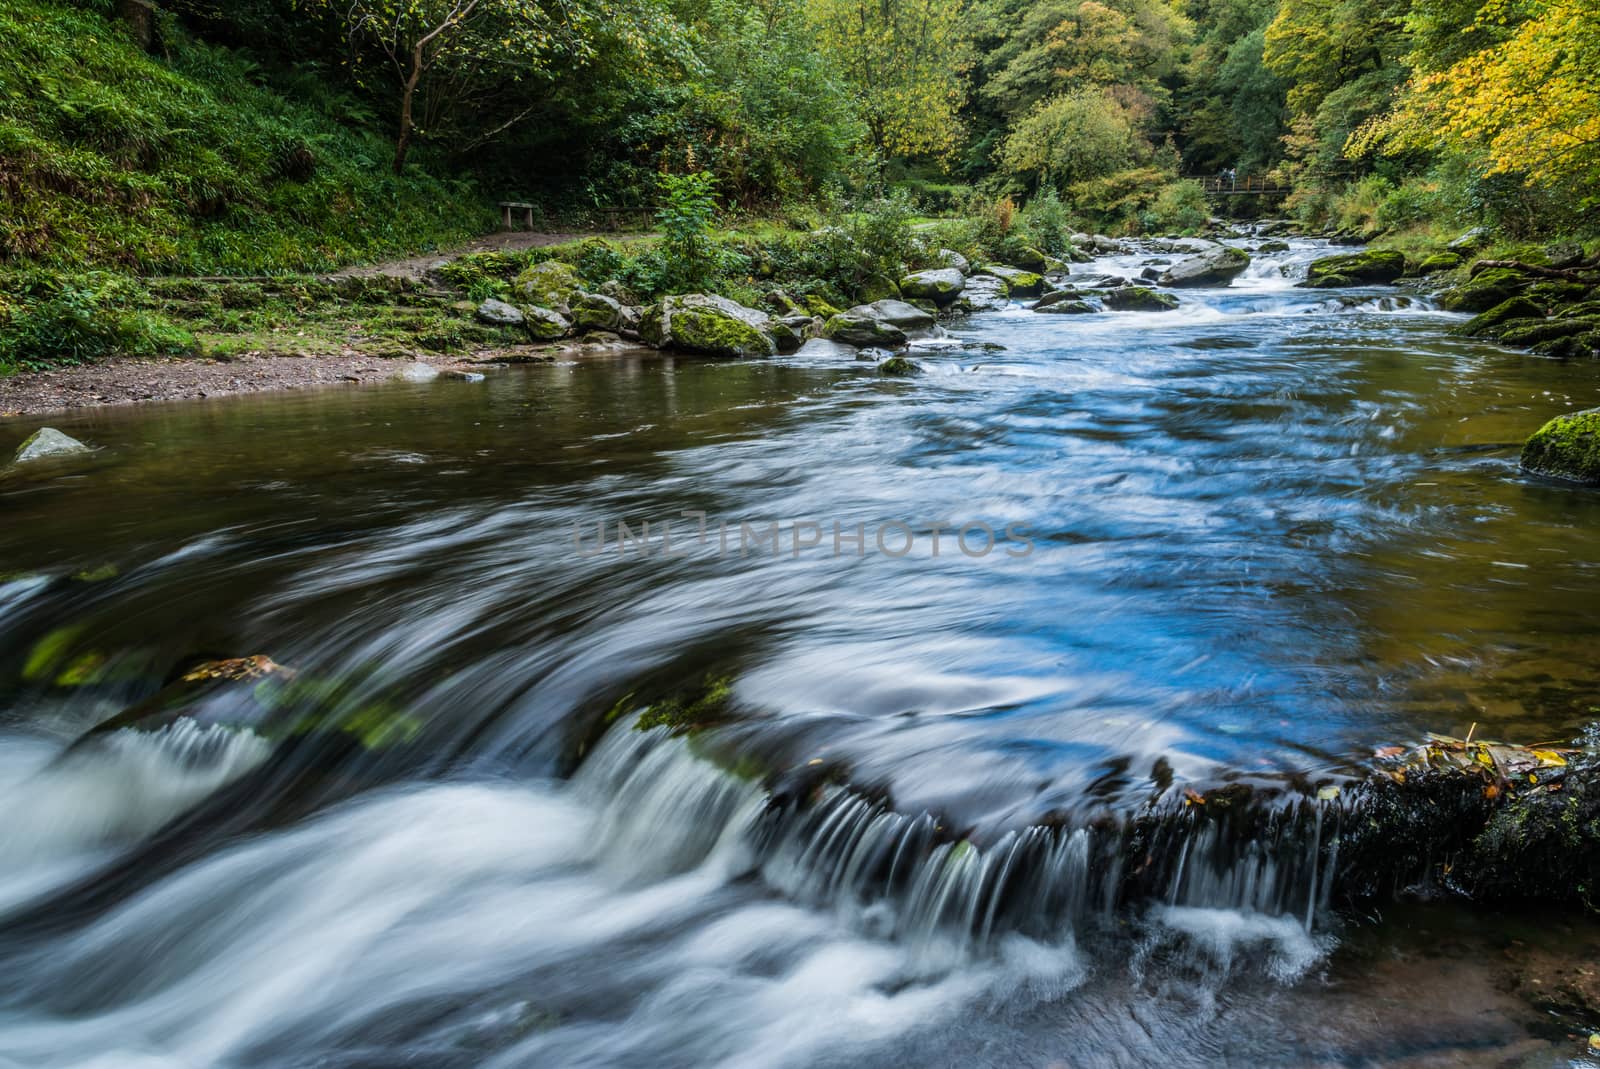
185	163
1045	225
688	209
1076	137
51	318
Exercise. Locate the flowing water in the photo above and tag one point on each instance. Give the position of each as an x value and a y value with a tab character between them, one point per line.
1008	602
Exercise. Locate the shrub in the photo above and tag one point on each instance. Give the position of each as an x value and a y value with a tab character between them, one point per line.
48	318
688	208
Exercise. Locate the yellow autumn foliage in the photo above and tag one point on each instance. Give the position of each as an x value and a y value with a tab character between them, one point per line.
1530	103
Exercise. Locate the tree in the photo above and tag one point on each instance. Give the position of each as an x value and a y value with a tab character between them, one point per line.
1529	102
1077	136
454	51
903	61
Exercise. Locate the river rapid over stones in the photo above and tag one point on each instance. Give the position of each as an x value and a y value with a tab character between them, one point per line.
957	635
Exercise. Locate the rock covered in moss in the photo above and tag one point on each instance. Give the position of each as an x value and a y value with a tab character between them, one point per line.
1491	323
545	324
599	311
1215	267
863	330
551	285
1067	308
1138	299
1439	261
1367	268
984	293
952	258
940	286
877	288
1566	448
1020	283
498	314
46	443
1486	289
710	325
899	366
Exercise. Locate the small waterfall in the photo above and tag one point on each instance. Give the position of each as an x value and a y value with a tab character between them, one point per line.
907	877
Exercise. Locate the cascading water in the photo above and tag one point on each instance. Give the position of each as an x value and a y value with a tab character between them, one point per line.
947	817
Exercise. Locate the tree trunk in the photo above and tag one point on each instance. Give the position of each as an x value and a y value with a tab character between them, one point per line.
403	142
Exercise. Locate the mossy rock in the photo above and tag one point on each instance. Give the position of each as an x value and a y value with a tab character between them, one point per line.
1529	334
47	443
1067	308
1138	299
1572	347
551	284
863	331
1030	259
1551	294
545	324
1486	289
941	286
877	288
710	703
259	695
1490	324
1019	283
1439	261
710	326
1367	268
899	366
818	306
1566	448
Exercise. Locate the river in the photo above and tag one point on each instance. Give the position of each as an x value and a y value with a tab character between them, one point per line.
1077	562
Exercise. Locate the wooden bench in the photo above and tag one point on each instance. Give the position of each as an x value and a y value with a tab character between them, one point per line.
505	214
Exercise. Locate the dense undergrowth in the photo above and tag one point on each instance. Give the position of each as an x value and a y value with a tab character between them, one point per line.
188	162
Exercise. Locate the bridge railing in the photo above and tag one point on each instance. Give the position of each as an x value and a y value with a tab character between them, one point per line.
1245	184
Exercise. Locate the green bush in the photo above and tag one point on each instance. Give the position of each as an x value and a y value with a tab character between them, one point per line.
688	209
49	318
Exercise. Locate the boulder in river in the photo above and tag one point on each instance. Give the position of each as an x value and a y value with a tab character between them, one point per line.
499	314
1021	283
985	293
1486	289
1215	267
1566	448
899	366
47	442
1492	323
907	317
545	324
941	286
863	330
1095	280
710	325
1138	299
1369	268
1068	306
551	285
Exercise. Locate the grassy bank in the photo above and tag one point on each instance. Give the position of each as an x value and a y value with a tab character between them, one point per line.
186	160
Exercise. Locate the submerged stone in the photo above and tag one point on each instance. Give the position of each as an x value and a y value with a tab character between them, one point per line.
1567	448
47	442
